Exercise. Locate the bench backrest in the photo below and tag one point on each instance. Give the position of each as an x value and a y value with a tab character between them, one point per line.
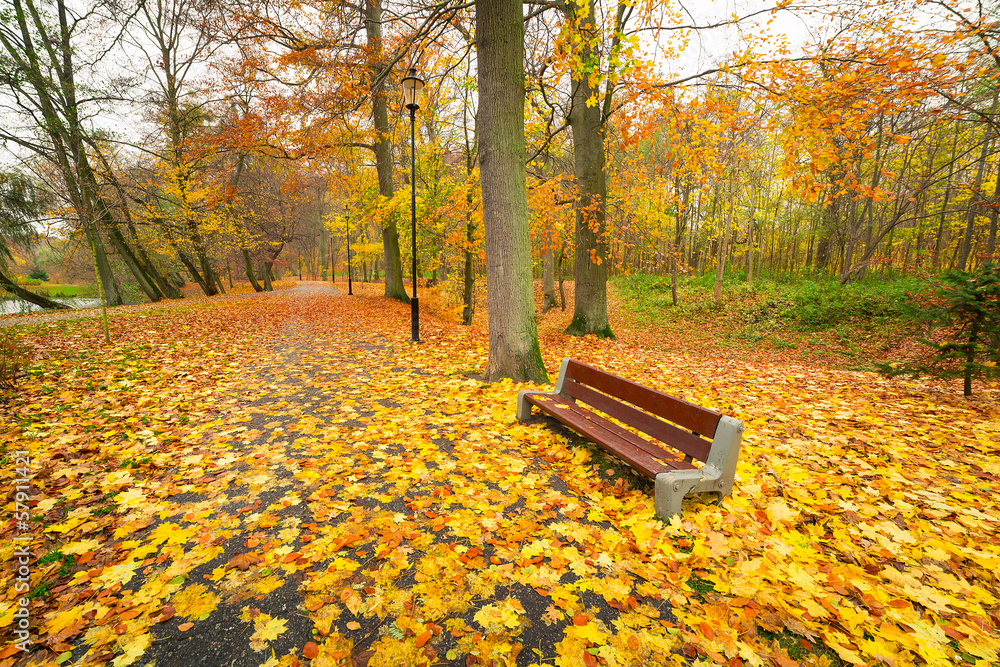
643	408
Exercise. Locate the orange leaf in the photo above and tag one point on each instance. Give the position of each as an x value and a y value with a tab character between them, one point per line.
783	661
310	650
184	627
423	638
581	619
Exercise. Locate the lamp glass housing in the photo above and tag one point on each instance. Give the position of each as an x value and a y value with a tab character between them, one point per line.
413	86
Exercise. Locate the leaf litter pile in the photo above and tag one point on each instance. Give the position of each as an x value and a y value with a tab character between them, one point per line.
286	480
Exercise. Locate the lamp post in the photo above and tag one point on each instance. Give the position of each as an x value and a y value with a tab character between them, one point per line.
347	218
413	86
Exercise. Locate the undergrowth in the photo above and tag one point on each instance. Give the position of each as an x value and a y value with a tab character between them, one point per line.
782	312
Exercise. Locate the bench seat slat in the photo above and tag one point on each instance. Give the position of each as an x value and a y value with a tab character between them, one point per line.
644	456
679	439
690	416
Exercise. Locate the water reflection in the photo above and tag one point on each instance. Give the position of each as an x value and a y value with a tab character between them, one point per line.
15	306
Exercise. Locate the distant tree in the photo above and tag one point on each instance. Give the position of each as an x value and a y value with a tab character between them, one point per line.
968	306
38	273
20	206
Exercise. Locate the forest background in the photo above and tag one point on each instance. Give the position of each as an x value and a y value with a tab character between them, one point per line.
185	141
296	443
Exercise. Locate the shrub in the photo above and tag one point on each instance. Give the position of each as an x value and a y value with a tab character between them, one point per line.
39	274
967	307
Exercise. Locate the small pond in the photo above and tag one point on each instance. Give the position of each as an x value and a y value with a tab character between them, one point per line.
14	306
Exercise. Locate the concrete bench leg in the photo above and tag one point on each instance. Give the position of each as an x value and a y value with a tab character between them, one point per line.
523	406
671	487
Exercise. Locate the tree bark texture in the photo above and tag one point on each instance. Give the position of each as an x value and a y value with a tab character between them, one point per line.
383	156
590	305
513	331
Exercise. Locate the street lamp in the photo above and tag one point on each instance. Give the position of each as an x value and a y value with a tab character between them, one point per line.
347	218
413	86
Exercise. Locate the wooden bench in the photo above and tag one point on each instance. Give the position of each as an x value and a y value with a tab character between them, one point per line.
679	428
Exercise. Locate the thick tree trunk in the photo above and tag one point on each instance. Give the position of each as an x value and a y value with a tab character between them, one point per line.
112	293
146	283
163	282
46	78
248	266
192	270
513	331
590	303
266	275
383	157
42	302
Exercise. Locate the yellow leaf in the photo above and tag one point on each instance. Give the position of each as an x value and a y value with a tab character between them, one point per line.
266	629
133	650
195	601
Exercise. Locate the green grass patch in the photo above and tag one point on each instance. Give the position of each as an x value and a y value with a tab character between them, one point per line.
799	648
55	290
807	303
50	557
780	313
701	587
41	591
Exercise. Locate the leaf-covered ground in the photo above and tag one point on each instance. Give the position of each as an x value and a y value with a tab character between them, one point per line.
285	480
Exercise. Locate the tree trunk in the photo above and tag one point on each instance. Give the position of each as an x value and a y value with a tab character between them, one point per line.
976	197
562	292
720	266
383	156
192	269
548	280
167	288
941	241
249	271
42	302
146	283
322	253
590	303
991	244
468	277
109	285
513	331
266	275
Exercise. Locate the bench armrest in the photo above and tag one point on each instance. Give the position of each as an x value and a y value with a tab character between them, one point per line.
524	407
716	476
